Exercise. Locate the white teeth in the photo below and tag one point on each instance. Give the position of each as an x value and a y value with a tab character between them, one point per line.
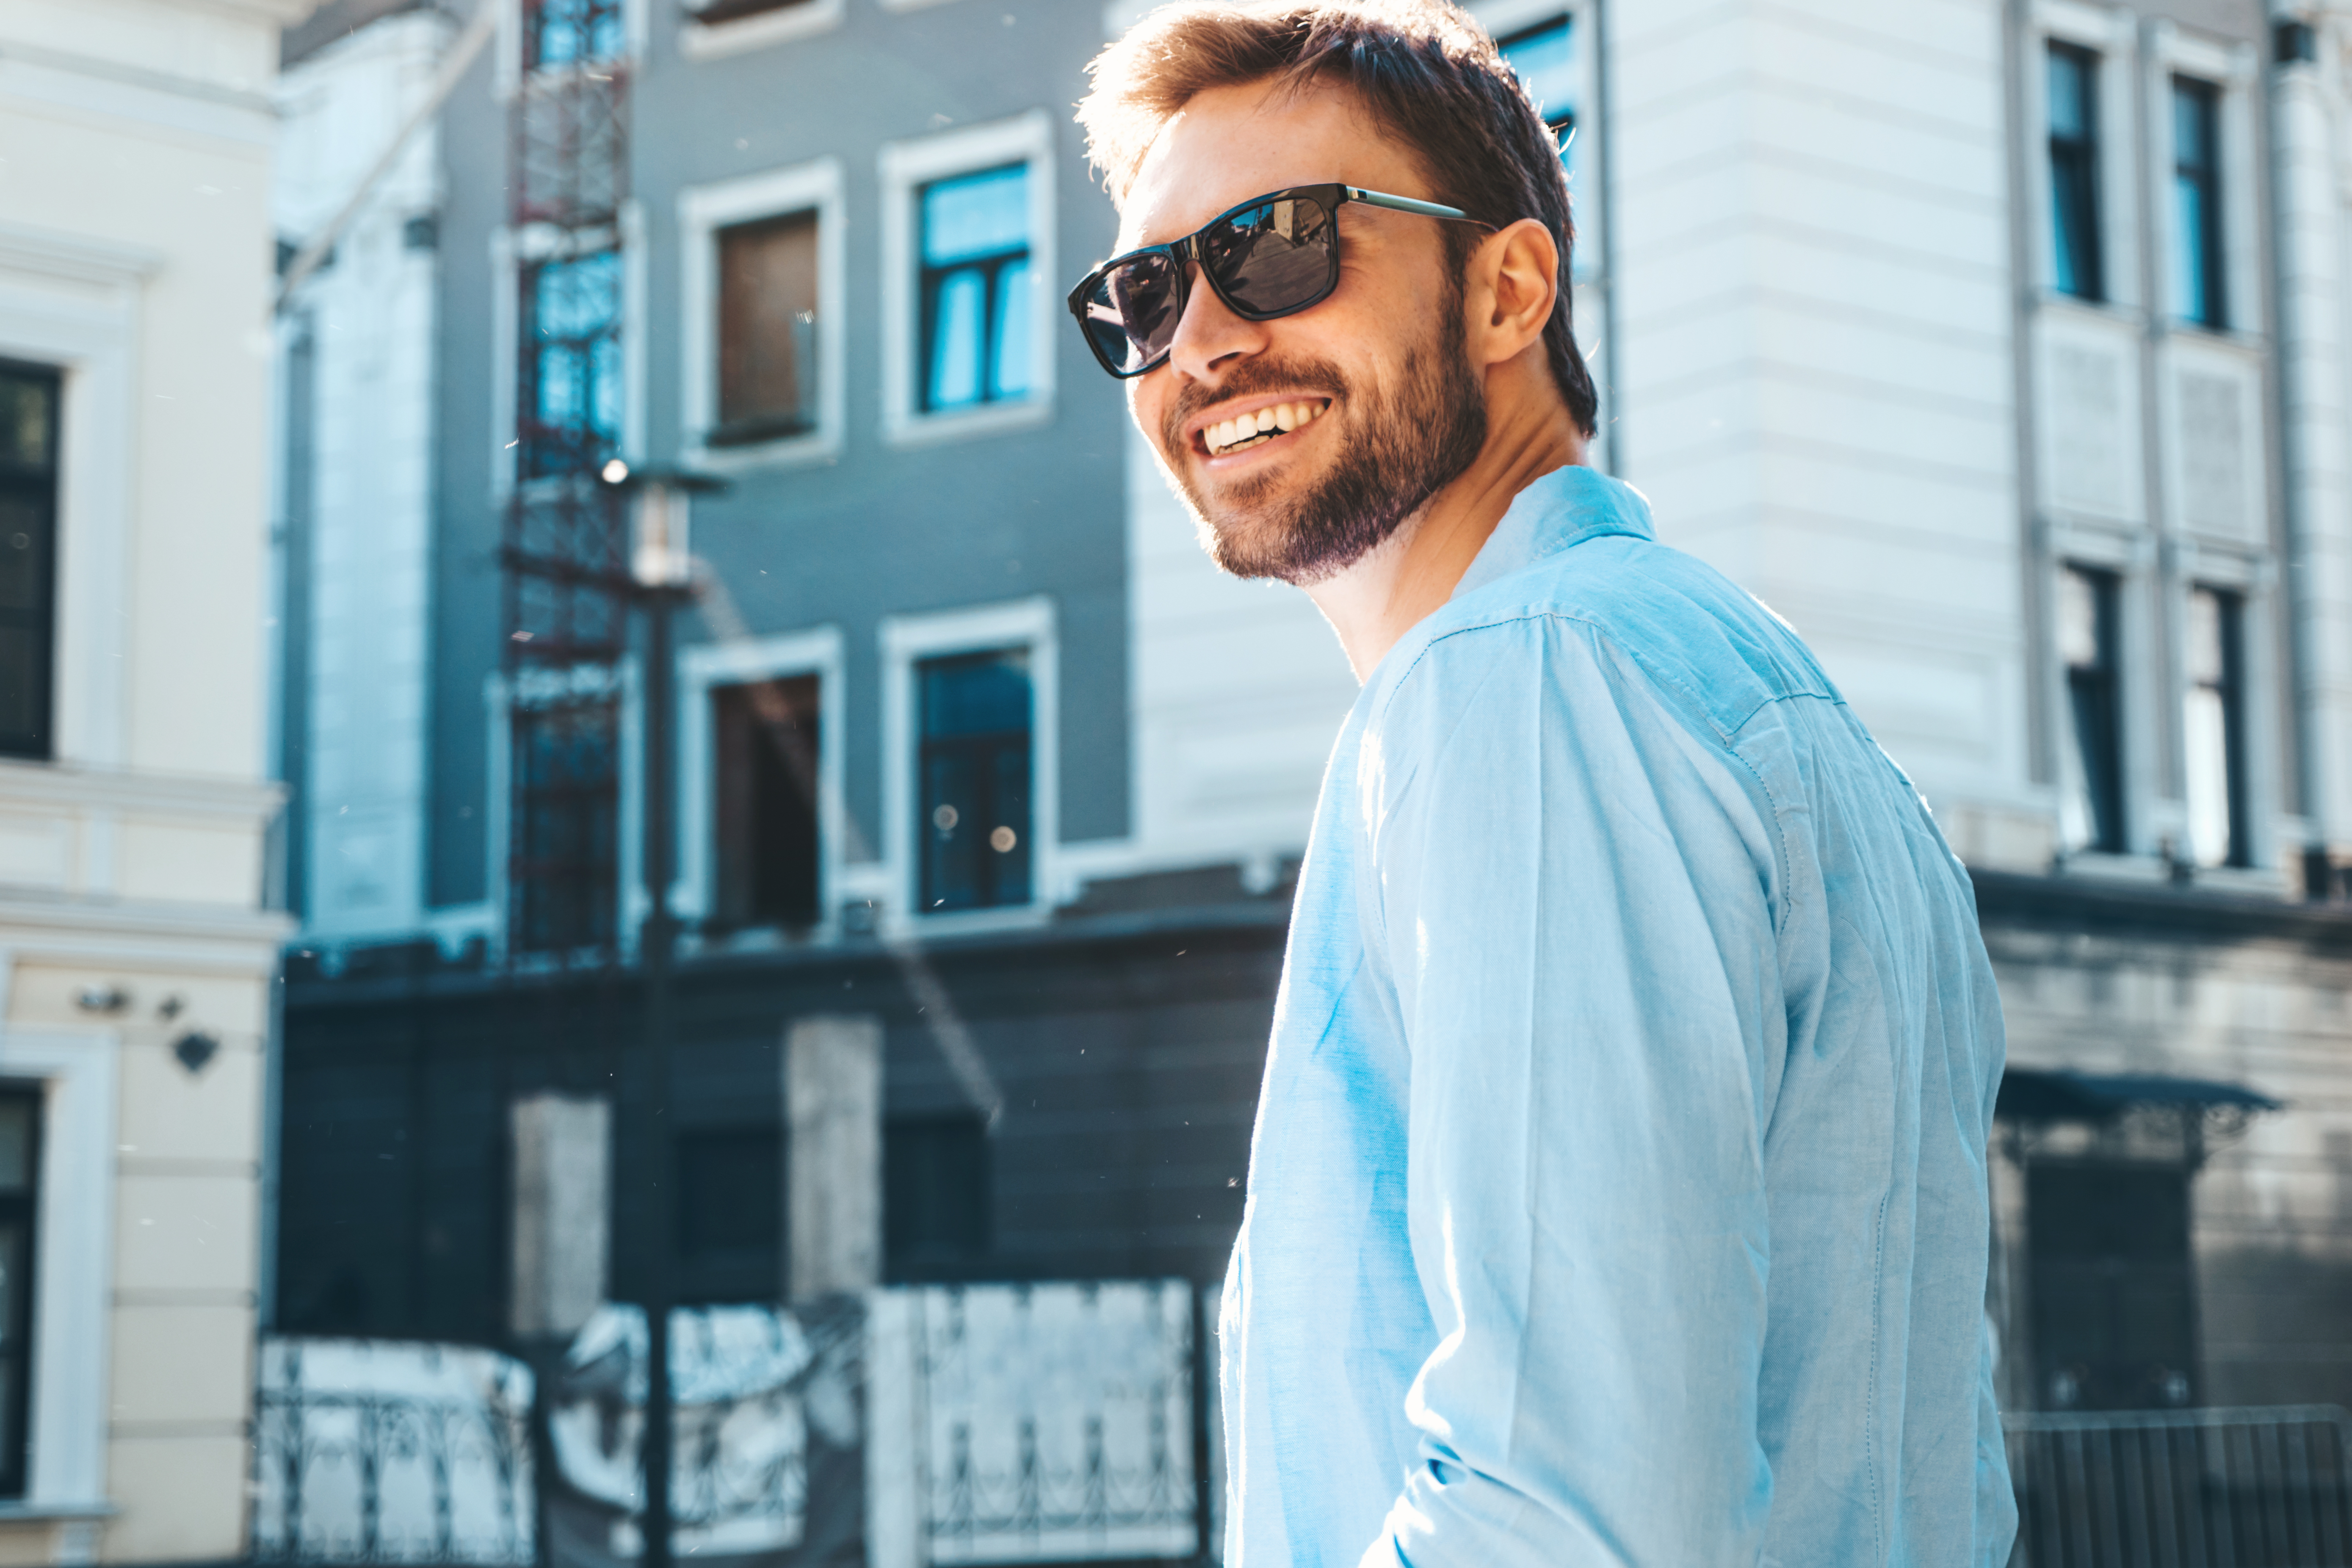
1243	428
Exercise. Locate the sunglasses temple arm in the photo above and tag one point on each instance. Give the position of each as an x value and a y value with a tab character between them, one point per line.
1406	204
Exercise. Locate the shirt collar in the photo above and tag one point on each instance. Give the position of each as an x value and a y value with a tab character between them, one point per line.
1565	507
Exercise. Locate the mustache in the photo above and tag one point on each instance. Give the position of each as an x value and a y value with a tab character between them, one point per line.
1247	380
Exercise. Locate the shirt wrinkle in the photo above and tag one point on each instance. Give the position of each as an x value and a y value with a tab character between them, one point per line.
1617	1194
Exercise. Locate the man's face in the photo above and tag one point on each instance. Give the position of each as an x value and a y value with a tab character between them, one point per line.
1372	403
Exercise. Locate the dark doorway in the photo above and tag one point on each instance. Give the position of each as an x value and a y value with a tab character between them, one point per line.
2114	1289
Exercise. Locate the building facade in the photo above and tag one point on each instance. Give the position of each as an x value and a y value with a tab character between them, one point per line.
137	962
1999	347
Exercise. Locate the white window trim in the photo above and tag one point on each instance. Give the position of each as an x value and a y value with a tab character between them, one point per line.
71	1316
701	670
701	40
906	167
907	639
497	702
2233	69
703	212
2113	36
90	334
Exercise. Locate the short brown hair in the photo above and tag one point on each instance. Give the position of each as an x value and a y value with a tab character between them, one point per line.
1428	75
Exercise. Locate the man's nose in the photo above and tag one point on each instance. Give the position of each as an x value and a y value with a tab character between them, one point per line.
1208	336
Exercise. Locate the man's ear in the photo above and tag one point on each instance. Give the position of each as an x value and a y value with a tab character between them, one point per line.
1513	278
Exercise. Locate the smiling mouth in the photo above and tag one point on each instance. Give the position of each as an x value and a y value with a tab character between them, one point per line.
1256	429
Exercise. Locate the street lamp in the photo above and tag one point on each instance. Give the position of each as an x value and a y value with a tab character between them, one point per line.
661	579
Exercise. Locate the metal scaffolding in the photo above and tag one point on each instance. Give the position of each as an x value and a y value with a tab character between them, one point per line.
565	618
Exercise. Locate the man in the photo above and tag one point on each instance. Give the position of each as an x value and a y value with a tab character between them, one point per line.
1618	1190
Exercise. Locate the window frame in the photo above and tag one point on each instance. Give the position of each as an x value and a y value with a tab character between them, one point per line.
703	212
908	641
2086	148
76	1075
906	167
503	693
2211	244
788	23
2113	585
2235	613
2112	39
701	670
2233	69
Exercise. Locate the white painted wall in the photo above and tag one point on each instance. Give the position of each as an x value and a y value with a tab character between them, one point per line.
371	316
134	256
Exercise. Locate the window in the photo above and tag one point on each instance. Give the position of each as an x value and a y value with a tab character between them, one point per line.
2214	728
571	365
767	330
764	743
564	872
1544	56
731	1215
977	292
2198	287
570	32
2077	263
711	13
28	535
20	1165
2091	814
2114	1294
935	1193
973	824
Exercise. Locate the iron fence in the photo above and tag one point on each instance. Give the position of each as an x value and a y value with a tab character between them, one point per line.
2260	1488
422	1455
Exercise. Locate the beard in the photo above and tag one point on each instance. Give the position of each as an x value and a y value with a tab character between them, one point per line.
1412	440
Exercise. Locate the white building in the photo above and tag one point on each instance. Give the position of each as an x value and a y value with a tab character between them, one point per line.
136	959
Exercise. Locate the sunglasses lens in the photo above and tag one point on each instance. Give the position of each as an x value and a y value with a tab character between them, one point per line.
1132	310
1272	258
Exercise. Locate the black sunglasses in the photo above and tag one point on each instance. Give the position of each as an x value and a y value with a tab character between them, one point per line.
1272	256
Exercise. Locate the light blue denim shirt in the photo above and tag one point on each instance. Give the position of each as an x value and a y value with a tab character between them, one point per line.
1618	1190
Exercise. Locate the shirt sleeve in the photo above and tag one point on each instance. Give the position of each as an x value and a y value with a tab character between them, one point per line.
1572	889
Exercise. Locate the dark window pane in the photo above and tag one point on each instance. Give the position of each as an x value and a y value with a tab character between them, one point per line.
569	32
571	408
976	288
25	574
2114	1294
27	418
564	873
710	12
28	510
2199	293
17	1126
730	1192
1544	56
2075	172
765	738
974	785
20	1157
935	1193
766	329
2090	813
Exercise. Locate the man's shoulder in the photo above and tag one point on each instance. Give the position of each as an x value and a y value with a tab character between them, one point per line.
1686	626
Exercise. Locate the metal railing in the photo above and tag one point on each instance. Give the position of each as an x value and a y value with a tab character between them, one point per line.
394	1454
2269	1487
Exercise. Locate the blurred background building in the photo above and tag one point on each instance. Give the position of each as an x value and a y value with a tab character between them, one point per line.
1999	347
136	959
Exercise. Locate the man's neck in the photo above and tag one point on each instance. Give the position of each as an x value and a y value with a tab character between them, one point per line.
1393	586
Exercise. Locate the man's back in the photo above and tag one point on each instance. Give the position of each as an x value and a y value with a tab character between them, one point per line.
1618	1192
